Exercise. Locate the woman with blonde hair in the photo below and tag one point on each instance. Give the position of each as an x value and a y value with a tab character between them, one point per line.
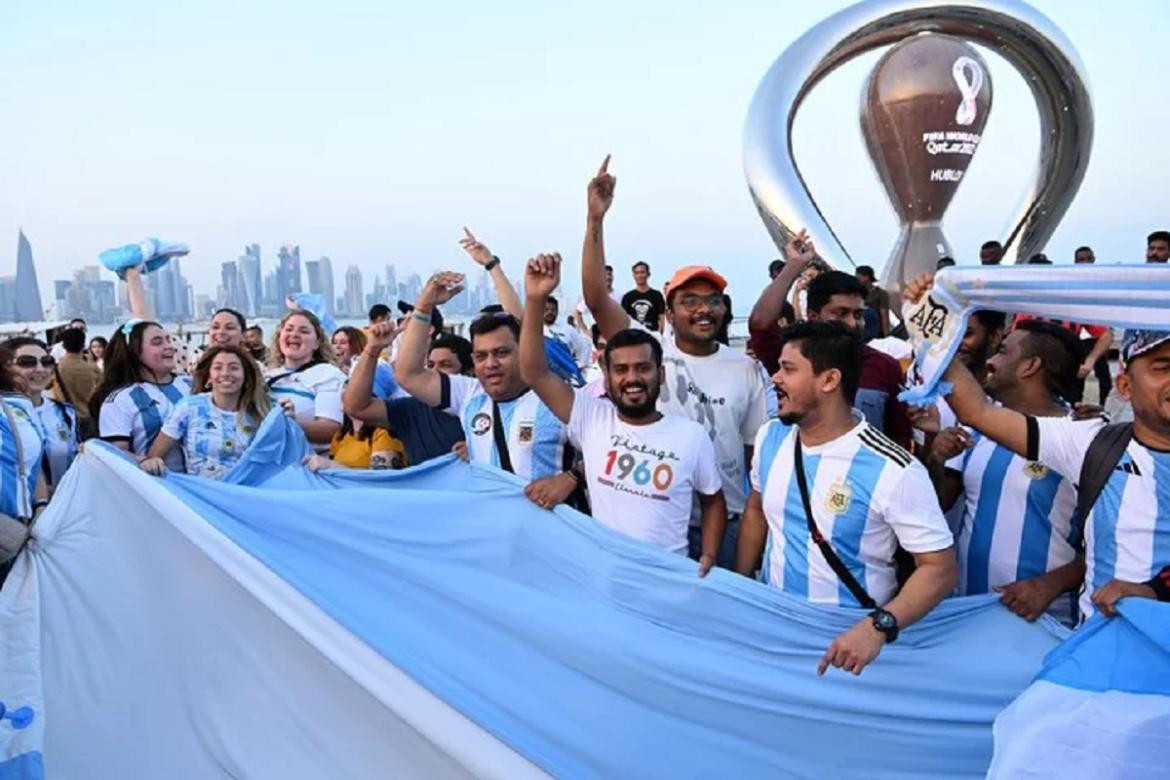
302	375
214	424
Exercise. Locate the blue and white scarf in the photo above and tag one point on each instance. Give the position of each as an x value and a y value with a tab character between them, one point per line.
151	254
1120	296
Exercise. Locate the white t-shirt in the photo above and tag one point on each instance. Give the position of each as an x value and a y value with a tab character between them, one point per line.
867	495
1016	522
728	394
642	479
1127	533
135	414
314	392
535	437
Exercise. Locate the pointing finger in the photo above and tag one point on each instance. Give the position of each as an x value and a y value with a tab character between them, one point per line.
604	166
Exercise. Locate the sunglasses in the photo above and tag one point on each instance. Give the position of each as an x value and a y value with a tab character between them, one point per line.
28	361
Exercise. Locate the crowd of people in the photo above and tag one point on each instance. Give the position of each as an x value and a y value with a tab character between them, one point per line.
791	461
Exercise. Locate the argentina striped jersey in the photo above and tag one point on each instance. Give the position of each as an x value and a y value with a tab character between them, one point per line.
535	437
135	414
16	495
1127	533
867	495
1016	522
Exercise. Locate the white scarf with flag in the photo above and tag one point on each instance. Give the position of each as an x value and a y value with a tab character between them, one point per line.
1120	296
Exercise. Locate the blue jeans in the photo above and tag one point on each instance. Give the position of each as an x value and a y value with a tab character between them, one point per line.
726	557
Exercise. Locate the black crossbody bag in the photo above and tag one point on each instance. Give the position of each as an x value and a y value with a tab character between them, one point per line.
835	563
501	439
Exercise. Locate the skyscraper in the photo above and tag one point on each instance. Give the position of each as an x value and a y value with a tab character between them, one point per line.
7	298
320	275
391	283
230	279
249	266
28	293
288	271
353	292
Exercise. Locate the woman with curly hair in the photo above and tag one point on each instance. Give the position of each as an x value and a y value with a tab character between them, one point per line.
302	376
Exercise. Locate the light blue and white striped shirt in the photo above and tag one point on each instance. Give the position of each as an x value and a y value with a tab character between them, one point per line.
58	424
135	414
536	438
867	496
1127	533
16	495
1016	522
213	439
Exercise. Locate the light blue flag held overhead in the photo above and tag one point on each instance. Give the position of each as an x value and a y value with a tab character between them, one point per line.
151	254
312	302
1121	296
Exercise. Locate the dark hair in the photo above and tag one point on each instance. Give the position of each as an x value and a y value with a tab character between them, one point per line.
437	320
73	340
1039	259
992	244
8	380
553	300
831	283
1080	249
1058	350
459	346
633	337
829	345
595	332
775	267
788	312
16	342
609	268
944	262
77	319
489	323
123	366
1158	235
641	263
991	320
256	328
378	311
99	339
492	308
867	271
239	317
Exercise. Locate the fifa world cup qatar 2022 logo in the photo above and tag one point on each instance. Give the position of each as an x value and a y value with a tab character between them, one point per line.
923	112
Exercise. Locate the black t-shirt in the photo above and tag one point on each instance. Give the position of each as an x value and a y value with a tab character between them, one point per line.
425	432
646	307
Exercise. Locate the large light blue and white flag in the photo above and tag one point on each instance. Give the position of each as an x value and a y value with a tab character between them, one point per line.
1120	296
150	254
1099	708
434	622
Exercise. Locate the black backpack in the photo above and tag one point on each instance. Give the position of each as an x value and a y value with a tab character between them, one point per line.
1102	457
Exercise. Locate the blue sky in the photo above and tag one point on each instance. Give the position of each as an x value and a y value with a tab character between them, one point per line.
372	133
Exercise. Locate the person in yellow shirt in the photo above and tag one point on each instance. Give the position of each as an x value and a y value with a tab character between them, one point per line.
358	446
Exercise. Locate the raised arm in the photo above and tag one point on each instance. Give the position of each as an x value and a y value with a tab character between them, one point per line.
610	316
504	290
410	369
799	251
136	293
1100	347
358	400
968	401
541	277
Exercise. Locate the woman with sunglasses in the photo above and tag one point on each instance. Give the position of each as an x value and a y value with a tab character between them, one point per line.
216	423
139	389
57	420
23	492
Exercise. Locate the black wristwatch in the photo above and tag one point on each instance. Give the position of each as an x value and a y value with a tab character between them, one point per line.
490	264
886	623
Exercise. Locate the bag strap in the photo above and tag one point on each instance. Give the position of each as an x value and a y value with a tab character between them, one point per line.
835	563
501	439
274	379
1101	458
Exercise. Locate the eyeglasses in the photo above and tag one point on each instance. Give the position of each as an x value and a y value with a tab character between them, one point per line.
693	302
28	361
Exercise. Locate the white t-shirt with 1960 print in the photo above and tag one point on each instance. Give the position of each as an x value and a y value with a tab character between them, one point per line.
642	479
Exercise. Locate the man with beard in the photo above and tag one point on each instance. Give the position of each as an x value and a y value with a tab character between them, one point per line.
720	388
1017	513
1157	248
1127	530
642	469
833	497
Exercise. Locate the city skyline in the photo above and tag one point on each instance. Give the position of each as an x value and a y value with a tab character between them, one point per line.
243	286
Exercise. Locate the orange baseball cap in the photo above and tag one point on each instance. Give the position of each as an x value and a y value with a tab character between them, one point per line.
691	273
